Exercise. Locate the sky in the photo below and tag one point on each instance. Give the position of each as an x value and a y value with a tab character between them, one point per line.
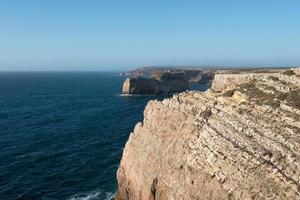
120	35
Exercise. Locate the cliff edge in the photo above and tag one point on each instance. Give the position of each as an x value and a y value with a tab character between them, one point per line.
237	143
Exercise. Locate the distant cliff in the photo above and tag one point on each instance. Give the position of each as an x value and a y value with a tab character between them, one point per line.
164	84
235	142
163	80
152	86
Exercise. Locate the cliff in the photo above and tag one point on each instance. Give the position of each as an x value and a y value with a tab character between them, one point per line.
237	143
228	78
164	80
160	84
160	80
192	75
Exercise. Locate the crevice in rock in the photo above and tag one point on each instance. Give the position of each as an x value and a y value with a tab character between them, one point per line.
153	188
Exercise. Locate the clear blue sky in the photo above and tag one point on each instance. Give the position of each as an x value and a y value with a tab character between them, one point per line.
119	35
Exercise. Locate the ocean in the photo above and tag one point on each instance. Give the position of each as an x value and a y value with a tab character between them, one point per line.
62	134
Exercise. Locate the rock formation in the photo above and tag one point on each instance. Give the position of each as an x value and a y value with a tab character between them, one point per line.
227	78
193	75
164	83
155	80
241	142
164	80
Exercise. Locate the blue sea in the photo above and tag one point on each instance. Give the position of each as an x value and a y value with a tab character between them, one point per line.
62	134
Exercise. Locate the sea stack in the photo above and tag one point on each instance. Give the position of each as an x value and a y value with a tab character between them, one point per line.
239	141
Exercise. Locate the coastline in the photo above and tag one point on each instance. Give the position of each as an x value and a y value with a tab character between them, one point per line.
175	130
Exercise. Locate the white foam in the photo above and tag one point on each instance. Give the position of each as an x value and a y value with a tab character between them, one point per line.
139	95
127	95
93	195
109	196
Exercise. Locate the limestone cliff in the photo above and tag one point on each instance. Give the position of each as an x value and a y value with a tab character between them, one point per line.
238	143
153	80
227	78
193	75
161	84
164	80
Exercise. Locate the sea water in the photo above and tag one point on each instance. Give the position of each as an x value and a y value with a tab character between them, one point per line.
62	134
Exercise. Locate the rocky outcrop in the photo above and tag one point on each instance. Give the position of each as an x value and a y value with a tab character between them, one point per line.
222	81
154	80
229	78
192	75
160	84
237	143
164	80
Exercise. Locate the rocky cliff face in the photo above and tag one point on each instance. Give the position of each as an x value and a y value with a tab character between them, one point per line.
164	80
239	143
229	78
161	84
192	75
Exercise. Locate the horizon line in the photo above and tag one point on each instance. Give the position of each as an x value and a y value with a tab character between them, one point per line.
158	66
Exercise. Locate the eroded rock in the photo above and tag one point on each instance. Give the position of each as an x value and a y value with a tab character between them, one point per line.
238	143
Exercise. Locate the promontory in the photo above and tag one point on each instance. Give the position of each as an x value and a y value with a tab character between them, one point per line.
164	80
238	140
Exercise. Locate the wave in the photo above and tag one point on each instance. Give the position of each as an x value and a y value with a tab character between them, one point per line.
92	195
128	95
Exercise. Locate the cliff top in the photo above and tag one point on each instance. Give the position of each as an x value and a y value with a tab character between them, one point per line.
150	71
